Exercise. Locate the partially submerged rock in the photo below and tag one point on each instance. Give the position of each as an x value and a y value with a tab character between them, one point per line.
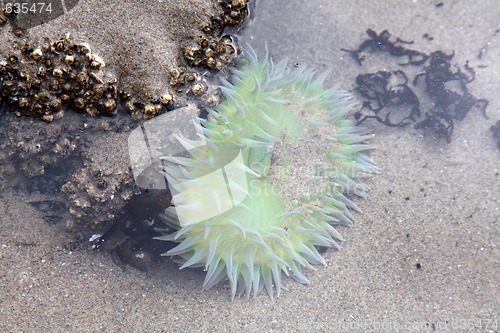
99	54
101	59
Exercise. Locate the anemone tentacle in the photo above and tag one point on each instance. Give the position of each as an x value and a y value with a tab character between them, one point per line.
271	219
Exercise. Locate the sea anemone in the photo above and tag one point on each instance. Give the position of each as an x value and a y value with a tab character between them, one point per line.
268	180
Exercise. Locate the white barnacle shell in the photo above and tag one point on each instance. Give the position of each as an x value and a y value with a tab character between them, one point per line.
97	62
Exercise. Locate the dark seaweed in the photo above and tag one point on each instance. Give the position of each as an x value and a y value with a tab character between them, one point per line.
456	103
496	133
445	86
381	93
382	42
440	122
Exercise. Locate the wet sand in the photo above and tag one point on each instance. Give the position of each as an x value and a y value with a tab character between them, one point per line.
421	258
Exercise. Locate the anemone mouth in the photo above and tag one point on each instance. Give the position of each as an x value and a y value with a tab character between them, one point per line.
263	213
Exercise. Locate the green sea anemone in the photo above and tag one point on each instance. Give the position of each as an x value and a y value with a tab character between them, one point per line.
268	180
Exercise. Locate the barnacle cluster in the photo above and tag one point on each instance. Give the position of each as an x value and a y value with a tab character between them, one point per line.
93	192
58	164
212	49
38	81
146	110
42	82
206	51
234	11
211	52
181	75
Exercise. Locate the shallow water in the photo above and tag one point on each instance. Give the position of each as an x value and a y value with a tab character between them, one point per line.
421	258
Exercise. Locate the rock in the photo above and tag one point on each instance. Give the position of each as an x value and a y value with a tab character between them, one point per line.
139	49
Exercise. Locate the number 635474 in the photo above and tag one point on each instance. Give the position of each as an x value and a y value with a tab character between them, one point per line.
26	8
